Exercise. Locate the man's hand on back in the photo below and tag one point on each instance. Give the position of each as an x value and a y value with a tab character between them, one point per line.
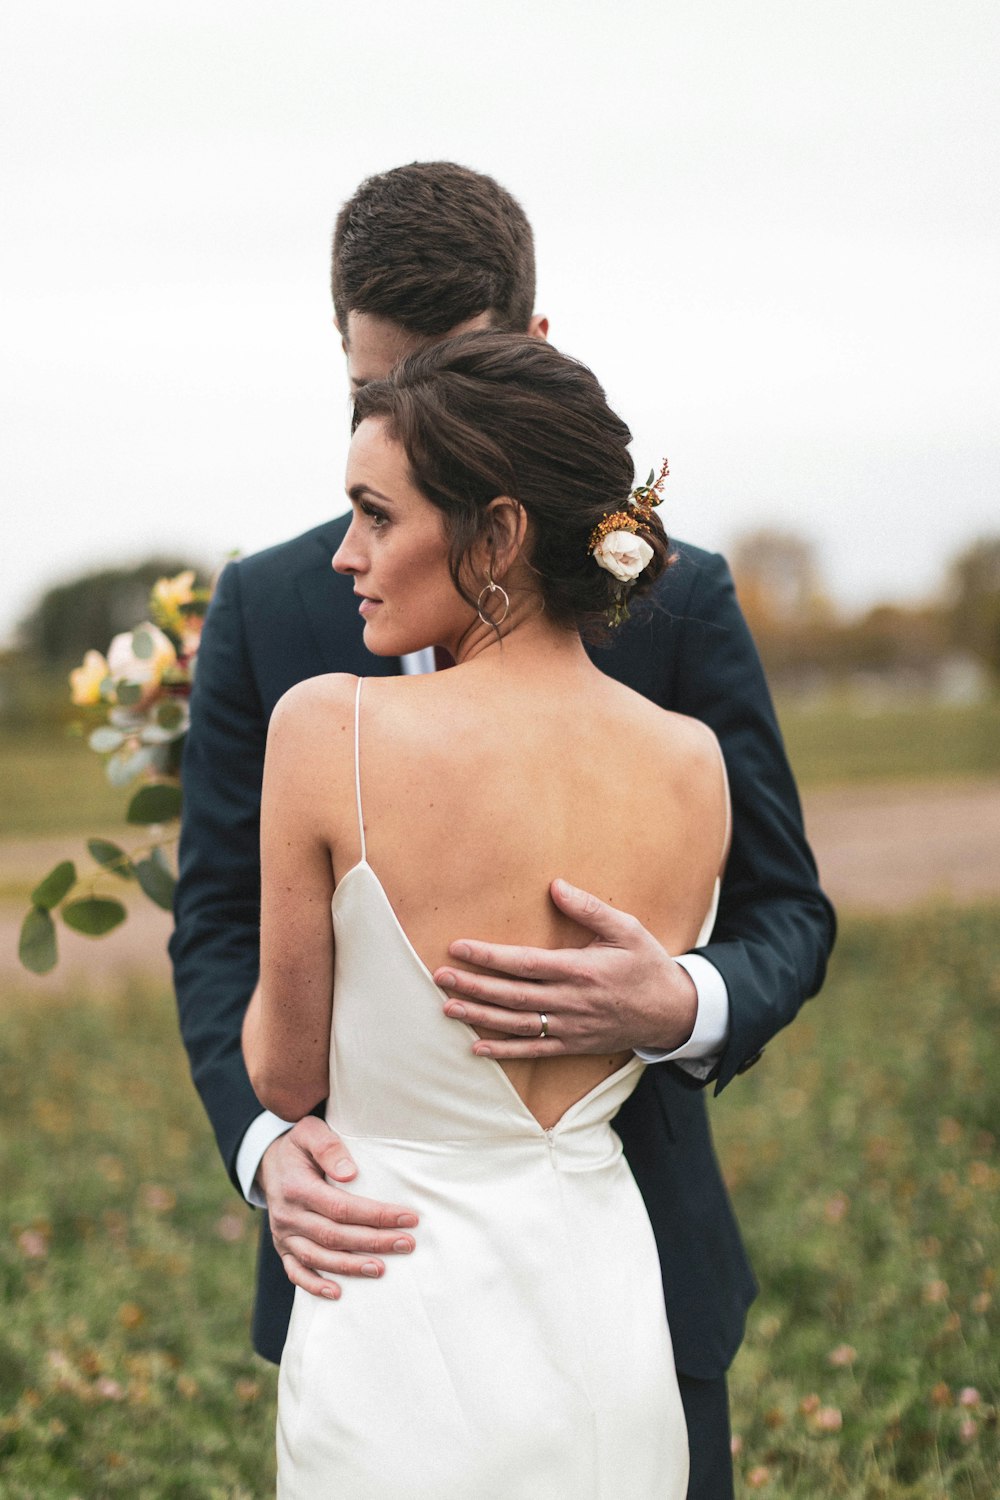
621	991
320	1226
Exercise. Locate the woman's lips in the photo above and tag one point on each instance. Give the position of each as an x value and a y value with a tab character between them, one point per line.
368	606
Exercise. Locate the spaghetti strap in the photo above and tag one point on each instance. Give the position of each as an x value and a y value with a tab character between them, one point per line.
357	770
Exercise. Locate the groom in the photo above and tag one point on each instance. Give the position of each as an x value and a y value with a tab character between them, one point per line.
419	253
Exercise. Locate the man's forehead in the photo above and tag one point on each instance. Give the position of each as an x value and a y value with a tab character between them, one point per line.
374	345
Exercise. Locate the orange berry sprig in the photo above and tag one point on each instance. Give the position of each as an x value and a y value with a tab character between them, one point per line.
647	496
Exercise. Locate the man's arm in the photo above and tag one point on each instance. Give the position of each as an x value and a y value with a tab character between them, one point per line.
214	947
775	927
215	954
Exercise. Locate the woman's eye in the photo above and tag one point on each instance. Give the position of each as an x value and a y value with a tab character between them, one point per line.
377	517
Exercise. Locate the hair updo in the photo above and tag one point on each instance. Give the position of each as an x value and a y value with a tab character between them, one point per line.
488	414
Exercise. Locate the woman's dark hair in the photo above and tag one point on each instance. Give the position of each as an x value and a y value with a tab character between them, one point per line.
489	414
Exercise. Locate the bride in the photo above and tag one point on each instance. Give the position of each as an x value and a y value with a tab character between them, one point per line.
522	1350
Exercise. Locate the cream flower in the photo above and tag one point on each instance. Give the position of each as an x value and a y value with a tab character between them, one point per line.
126	665
623	555
85	682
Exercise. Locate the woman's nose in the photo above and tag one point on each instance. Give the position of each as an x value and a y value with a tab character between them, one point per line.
347	559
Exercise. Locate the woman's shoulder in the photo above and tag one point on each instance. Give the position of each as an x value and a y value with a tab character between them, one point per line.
313	703
681	737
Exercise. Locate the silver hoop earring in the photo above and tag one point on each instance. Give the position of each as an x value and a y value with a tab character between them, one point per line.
493	588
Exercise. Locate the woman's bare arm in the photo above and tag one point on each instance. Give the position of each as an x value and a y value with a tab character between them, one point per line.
286	1034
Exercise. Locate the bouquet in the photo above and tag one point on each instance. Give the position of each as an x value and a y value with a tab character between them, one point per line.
135	702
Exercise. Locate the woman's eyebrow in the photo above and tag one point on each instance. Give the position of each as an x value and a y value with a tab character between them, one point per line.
356	492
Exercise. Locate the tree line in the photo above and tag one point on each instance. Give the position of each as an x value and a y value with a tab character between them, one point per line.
801	635
803	638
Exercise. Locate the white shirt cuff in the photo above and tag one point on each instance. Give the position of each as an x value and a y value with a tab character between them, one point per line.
699	1054
259	1135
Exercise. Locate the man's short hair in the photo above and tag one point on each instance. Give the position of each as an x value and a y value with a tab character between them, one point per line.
431	245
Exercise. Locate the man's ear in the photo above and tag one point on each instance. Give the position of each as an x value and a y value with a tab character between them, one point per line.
538	327
343	335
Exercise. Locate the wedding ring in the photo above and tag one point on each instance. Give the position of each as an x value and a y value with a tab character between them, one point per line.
543	1021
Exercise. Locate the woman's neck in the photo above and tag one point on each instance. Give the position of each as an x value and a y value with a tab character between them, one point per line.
526	641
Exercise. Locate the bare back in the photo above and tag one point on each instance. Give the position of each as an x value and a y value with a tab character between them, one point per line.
482	786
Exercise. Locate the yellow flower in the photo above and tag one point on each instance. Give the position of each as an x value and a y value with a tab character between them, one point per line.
85	682
171	593
168	598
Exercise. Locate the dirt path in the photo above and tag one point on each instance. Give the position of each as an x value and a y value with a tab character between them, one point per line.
894	845
879	847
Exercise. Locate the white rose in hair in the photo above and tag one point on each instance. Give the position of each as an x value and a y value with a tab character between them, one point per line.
623	554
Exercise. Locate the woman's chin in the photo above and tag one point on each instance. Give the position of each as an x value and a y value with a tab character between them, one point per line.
371	637
381	642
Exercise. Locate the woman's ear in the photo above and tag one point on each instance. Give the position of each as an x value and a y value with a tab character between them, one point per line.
506	532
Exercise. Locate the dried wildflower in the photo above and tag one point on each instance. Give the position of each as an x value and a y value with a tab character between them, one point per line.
836	1208
844	1354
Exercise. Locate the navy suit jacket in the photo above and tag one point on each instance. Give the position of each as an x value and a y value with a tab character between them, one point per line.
284	615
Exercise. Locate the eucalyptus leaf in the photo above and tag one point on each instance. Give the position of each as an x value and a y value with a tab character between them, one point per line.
94	915
105	738
112	858
125	765
155	804
154	734
169	714
37	948
53	888
142	644
129	693
159	760
156	879
130	720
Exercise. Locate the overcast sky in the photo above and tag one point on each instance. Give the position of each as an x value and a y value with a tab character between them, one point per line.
769	226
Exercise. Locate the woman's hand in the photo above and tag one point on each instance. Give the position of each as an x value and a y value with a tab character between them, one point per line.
318	1226
621	991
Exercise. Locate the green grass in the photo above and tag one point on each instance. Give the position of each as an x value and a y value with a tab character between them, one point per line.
125	1363
863	1157
836	741
862	1154
52	783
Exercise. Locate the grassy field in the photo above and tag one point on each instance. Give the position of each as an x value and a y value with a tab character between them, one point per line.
52	783
863	1158
837	741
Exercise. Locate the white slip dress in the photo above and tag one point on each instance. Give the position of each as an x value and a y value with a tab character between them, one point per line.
522	1351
